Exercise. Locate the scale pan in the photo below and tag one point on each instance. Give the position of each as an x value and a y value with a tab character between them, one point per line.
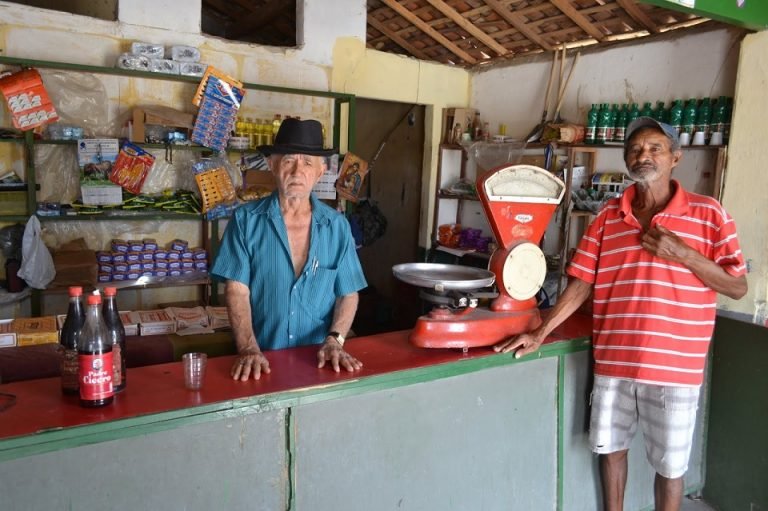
443	277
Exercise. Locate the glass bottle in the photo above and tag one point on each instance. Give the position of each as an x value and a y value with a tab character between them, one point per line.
115	336
603	121
94	358
717	123
70	333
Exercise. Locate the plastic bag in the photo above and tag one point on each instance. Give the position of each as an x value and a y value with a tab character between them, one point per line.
36	262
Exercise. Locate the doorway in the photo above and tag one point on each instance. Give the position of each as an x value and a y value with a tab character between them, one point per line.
394	186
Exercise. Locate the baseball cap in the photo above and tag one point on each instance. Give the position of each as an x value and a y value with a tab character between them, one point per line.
649	122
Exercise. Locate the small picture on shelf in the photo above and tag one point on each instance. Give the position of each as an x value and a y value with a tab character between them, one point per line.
351	177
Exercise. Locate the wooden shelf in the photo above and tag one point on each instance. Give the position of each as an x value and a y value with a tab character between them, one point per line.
443	195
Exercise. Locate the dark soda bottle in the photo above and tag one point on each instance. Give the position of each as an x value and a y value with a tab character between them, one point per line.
115	336
70	333
94	357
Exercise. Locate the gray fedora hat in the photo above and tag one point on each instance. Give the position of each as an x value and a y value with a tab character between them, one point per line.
298	137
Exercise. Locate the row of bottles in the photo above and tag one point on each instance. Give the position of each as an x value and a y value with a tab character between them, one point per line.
93	348
607	123
258	131
475	131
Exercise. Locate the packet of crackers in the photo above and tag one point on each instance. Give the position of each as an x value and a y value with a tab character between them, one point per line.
131	167
27	99
212	71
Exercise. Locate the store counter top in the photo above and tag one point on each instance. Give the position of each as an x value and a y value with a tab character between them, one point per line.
41	418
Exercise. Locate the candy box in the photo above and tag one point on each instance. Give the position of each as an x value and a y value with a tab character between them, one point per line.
30	331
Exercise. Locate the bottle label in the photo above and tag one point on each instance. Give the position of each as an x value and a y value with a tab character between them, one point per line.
618	134
117	365
591	133
95	376
602	133
69	370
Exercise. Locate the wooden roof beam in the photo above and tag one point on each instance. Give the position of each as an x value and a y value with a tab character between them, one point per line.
637	14
469	27
397	39
575	16
517	22
431	32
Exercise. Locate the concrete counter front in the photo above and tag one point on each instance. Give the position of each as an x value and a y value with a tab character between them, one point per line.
415	429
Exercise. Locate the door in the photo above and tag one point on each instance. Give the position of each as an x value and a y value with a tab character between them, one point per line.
394	184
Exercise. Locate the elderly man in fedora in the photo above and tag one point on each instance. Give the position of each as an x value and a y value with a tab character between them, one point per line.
653	262
289	261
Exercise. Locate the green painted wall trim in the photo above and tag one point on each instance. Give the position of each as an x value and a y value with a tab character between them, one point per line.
57	439
560	432
737	446
753	14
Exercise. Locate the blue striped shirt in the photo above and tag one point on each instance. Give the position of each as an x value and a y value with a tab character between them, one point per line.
288	311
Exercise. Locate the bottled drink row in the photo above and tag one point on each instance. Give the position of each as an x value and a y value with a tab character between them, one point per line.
93	348
606	123
258	131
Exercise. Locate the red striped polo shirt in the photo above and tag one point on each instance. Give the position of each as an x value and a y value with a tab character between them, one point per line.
653	318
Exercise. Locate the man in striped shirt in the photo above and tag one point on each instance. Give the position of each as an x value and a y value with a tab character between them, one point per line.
289	262
654	260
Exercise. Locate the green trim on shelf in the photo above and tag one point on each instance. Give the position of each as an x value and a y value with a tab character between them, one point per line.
155	215
13	218
57	439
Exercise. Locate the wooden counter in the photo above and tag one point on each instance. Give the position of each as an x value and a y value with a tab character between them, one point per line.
414	429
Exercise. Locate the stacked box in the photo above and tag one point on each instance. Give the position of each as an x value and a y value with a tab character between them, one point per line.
129	260
30	331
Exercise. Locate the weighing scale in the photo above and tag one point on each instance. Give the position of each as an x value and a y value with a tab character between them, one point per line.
518	201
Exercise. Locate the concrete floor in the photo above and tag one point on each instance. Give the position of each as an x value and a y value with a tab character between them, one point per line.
695	505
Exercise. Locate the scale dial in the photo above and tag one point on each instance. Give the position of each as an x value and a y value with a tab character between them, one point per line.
524	271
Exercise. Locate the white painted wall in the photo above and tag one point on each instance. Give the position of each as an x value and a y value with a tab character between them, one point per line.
175	15
680	66
322	22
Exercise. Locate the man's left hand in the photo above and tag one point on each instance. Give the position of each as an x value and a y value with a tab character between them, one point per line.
664	243
331	351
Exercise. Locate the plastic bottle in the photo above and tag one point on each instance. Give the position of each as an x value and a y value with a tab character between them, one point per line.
703	117
603	121
621	124
689	117
676	115
70	334
590	134
276	122
633	113
717	123
647	110
115	336
94	358
659	112
728	114
612	124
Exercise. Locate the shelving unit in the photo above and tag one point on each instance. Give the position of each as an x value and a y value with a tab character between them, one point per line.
209	230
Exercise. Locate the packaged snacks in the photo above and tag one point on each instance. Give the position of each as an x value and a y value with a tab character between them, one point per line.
132	167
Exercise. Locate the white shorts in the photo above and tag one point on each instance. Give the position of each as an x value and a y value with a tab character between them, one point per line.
667	416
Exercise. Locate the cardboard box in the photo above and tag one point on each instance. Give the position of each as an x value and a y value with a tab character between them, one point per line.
75	265
30	331
7	335
154	322
261	178
161	116
453	116
130	325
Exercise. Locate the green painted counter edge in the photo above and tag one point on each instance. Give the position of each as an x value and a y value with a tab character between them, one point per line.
58	439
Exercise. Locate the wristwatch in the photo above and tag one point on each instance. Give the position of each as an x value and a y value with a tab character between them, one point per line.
339	338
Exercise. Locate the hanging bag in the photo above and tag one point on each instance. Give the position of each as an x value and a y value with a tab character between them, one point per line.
36	262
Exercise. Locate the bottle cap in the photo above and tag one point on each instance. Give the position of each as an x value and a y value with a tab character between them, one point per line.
75	291
94	299
110	291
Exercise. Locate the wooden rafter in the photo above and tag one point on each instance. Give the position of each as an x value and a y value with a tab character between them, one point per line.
431	32
256	19
575	16
396	38
637	14
457	18
517	22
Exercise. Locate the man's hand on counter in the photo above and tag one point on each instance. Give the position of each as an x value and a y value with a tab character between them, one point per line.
523	344
250	362
332	352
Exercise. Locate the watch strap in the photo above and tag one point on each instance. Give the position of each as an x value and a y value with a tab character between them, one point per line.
339	338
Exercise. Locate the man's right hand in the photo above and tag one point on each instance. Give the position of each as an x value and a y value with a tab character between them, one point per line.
523	344
249	362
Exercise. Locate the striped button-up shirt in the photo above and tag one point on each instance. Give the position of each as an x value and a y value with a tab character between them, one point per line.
289	311
653	318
